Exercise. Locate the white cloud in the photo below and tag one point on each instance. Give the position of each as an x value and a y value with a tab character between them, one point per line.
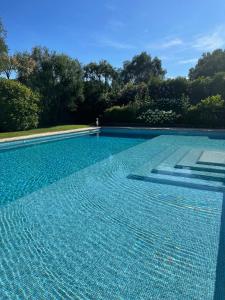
172	43
188	61
115	44
212	41
168	43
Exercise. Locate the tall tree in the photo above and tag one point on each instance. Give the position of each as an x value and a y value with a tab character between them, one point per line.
142	68
3	46
101	71
99	81
57	77
25	65
5	59
8	64
209	64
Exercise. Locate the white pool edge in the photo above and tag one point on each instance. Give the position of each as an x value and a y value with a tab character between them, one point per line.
46	134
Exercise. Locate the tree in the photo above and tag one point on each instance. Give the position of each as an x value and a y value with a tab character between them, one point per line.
99	81
142	68
208	112
204	87
3	46
57	77
24	65
19	106
209	64
170	88
101	71
5	59
131	92
8	65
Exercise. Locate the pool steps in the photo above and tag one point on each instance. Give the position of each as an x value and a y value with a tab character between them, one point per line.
171	180
180	168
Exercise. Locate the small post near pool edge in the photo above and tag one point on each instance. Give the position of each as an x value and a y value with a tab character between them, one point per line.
97	125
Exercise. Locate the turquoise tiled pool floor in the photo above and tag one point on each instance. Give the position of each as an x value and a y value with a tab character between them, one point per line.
90	232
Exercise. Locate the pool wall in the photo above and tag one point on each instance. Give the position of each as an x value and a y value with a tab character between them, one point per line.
166	131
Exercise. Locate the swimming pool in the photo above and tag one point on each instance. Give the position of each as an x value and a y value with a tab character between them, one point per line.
116	215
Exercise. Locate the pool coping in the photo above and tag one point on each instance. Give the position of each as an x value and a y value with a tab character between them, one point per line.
78	130
46	134
211	133
166	128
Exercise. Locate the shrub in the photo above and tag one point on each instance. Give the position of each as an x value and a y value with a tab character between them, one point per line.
209	112
199	89
158	117
170	88
161	111
178	105
132	92
121	114
204	87
19	106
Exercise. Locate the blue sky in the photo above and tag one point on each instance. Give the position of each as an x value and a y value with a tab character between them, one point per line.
177	31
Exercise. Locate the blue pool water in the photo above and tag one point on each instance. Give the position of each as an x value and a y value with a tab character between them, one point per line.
108	217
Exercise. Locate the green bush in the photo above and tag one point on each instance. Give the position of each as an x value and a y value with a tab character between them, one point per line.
209	112
131	92
121	114
204	87
161	111
170	88
19	106
178	105
158	117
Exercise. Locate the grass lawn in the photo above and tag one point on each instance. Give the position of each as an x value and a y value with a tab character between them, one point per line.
40	130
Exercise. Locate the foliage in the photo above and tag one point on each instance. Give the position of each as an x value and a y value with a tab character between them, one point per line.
99	78
204	87
209	64
8	64
179	106
3	46
19	106
70	91
58	79
95	101
121	114
131	92
208	112
141	69
25	65
4	60
158	117
169	88
101	71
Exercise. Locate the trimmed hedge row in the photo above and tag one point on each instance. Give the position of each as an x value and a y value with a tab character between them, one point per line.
209	112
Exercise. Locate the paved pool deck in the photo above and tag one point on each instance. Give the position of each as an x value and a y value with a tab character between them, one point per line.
37	135
175	129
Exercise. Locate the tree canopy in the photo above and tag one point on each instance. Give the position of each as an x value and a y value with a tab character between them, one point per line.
57	77
3	46
209	64
70	92
142	68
